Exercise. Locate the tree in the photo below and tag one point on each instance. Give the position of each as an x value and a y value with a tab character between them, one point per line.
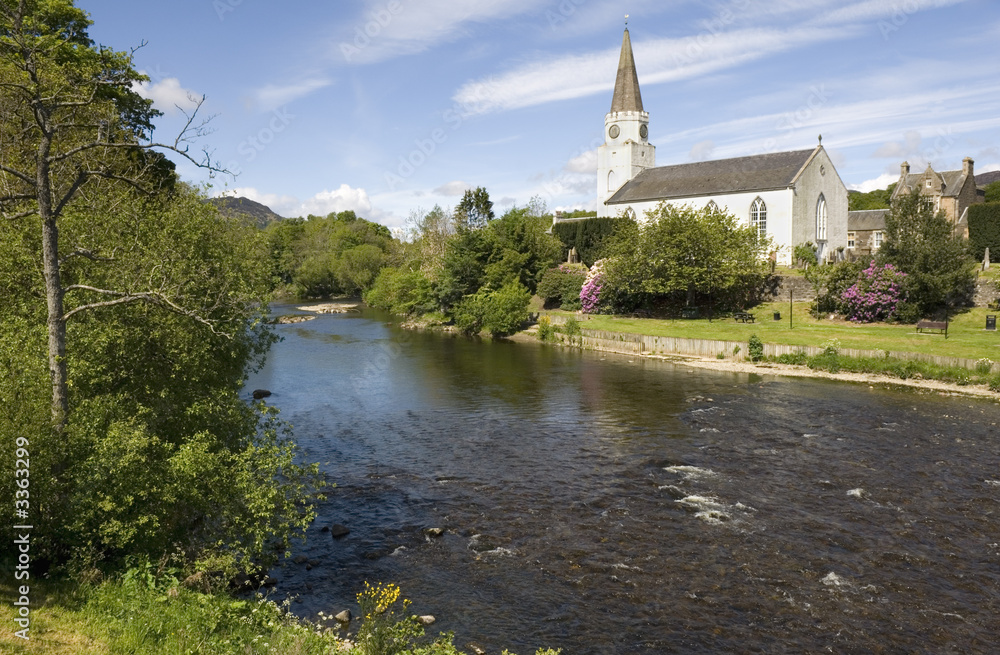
681	252
923	244
475	209
877	199
992	192
71	117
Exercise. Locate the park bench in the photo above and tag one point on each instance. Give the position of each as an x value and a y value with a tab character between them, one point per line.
744	317
939	326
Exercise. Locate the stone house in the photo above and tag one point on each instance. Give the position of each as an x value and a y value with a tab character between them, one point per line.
952	192
865	231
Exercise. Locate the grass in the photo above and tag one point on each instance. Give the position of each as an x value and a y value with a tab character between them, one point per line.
966	336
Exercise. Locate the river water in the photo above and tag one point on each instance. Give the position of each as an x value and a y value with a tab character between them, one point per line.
606	504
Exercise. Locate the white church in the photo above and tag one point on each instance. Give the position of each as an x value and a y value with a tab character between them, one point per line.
793	197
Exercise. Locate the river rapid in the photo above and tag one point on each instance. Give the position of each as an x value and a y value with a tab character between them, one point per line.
610	504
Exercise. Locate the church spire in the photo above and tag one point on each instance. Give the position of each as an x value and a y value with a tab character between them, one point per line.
627	96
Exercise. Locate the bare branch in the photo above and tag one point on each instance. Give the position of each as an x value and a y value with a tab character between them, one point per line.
86	254
18	174
152	297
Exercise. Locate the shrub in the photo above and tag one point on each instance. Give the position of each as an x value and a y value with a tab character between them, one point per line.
984	366
560	286
590	292
587	236
572	327
401	292
500	312
805	254
876	294
545	330
984	231
755	348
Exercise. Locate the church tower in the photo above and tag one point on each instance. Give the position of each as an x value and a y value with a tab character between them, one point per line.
626	151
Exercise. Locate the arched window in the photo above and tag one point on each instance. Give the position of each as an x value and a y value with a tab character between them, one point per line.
711	207
758	217
629	214
821	218
611	181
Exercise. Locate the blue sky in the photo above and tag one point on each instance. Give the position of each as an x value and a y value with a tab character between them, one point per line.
388	107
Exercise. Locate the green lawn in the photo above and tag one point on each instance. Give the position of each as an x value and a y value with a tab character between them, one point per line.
966	335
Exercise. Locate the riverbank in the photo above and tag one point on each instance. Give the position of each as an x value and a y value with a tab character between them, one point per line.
733	364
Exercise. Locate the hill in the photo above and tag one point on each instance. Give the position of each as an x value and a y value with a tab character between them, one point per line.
987	178
249	210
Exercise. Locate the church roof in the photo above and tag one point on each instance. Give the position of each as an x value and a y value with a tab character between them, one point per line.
767	172
866	220
627	96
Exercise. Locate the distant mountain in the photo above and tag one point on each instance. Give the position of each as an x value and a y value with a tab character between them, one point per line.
248	210
987	178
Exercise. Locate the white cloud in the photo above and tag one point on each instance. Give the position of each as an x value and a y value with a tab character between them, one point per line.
342	199
272	96
585	163
880	182
452	189
168	95
702	150
909	146
380	34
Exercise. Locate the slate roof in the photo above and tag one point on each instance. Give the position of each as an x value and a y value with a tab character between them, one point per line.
953	182
739	175
866	220
627	96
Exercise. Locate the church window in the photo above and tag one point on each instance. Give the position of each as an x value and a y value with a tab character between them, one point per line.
711	207
821	218
629	214
758	217
611	181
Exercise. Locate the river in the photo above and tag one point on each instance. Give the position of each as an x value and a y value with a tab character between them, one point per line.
608	504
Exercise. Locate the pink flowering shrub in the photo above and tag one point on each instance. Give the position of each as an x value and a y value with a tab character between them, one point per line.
590	294
876	294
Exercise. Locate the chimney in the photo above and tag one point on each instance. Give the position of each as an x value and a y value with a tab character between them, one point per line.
967	166
904	168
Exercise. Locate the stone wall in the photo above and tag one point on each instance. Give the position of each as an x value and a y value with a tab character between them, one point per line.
801	288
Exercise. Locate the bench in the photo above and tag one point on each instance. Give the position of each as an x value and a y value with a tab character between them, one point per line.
745	317
939	326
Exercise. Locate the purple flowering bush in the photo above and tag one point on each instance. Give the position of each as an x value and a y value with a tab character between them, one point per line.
876	294
590	293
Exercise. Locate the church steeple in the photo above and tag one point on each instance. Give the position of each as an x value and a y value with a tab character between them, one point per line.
627	96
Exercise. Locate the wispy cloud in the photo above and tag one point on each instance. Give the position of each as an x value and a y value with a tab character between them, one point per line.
168	95
271	96
380	33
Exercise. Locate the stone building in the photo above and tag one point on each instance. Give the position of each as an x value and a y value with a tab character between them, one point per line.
952	192
793	197
865	231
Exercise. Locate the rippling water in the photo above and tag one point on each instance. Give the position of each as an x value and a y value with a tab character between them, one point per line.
605	504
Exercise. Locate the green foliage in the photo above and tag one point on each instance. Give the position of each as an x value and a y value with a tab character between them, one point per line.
401	292
984	230
755	348
572	327
923	244
160	453
320	257
587	236
877	199
992	192
682	256
560	286
500	312
475	210
804	254
830	283
545	330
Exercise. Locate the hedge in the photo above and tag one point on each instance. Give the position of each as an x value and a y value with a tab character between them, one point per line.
984	231
586	236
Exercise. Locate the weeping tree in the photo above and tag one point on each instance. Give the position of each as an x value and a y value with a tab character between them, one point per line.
72	116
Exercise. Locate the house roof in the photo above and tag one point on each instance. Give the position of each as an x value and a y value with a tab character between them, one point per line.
627	96
866	220
953	181
739	175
